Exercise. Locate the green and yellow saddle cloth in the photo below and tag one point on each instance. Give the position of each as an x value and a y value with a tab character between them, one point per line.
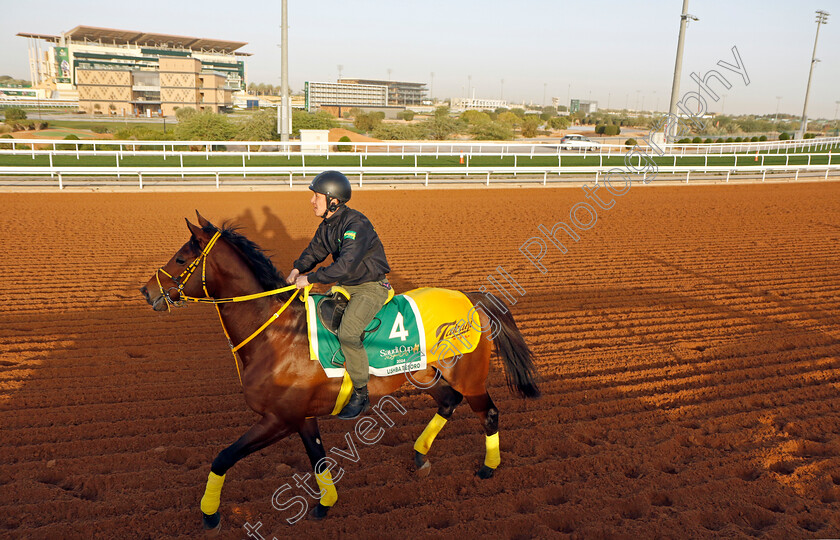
411	330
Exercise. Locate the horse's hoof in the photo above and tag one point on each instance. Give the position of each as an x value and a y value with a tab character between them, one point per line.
319	512
485	472
424	470
212	524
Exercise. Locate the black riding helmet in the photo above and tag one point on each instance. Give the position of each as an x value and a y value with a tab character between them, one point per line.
334	185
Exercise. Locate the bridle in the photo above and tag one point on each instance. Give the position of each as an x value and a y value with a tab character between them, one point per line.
181	281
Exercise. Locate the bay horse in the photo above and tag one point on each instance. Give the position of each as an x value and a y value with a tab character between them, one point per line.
288	390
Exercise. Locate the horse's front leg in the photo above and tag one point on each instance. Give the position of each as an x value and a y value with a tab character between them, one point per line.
311	437
264	433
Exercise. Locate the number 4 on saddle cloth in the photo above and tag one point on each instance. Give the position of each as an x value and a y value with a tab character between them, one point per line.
422	326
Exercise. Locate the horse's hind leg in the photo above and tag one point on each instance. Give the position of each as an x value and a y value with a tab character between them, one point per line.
265	432
447	399
311	437
486	410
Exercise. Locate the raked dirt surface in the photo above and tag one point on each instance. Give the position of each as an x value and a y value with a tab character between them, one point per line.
688	347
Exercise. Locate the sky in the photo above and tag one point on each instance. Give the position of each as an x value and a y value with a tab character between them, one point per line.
619	53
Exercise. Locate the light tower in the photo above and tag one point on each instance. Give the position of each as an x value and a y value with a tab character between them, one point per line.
822	18
675	86
284	116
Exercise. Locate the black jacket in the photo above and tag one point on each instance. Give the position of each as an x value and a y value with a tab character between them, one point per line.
358	255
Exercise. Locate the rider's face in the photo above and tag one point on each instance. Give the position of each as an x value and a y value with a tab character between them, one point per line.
319	203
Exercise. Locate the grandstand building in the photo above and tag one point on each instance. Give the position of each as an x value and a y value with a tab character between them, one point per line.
477	104
136	72
399	92
319	94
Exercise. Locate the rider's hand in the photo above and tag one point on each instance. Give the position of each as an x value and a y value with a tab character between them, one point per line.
302	281
292	276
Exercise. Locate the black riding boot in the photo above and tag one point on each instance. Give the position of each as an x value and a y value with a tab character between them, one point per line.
358	404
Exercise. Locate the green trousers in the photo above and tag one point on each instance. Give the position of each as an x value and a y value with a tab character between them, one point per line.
366	299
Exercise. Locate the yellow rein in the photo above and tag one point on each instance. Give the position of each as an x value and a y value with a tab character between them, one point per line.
216	301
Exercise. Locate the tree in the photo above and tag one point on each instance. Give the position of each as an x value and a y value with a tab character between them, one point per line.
139	133
344	147
518	112
475	117
407	115
442	112
558	122
491	131
510	118
15	113
184	113
441	127
367	122
261	126
397	132
205	126
530	126
304	120
612	129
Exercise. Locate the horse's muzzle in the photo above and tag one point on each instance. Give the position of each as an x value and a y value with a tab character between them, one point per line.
158	304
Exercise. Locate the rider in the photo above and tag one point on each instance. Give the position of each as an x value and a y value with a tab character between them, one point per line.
359	265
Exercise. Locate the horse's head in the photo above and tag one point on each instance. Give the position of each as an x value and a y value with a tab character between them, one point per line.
176	279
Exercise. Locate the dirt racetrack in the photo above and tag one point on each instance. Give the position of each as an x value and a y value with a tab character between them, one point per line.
688	346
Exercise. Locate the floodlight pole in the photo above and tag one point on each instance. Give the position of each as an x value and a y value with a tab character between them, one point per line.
284	119
675	86
822	18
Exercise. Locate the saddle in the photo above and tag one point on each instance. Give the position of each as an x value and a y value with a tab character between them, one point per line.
330	309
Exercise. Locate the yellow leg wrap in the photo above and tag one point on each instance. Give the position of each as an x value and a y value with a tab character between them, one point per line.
492	457
325	483
425	440
212	494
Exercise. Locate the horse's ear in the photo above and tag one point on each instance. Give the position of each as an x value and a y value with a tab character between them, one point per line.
201	221
194	230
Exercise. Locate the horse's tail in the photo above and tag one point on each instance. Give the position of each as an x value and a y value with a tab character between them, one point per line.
520	372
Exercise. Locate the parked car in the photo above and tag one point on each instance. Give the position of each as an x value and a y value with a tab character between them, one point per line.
574	142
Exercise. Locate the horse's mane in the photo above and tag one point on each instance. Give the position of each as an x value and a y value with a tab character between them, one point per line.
262	267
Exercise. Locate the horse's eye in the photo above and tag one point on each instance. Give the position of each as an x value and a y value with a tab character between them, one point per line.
179	260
